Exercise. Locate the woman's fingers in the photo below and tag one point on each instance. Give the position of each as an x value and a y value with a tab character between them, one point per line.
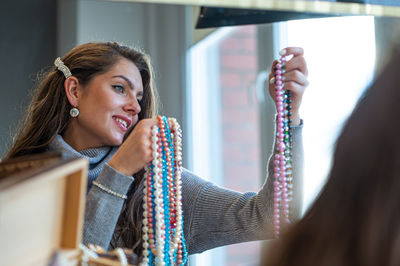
147	123
295	88
297	62
295	76
137	149
292	80
295	51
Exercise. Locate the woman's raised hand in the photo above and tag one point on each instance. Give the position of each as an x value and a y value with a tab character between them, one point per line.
136	151
294	79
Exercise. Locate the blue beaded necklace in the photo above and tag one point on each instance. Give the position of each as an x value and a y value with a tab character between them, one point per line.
163	238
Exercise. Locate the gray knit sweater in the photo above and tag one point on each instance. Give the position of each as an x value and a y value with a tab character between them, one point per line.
213	216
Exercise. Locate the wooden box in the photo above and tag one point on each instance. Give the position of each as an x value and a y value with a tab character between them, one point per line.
42	200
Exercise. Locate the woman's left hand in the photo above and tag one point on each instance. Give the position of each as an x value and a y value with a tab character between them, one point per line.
295	79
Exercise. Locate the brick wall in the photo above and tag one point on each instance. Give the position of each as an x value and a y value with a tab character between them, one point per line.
241	140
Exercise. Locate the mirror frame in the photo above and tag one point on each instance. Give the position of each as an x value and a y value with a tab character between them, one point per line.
310	6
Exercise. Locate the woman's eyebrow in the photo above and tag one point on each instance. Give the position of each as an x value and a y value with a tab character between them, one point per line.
126	79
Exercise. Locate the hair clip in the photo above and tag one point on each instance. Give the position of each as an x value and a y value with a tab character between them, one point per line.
63	68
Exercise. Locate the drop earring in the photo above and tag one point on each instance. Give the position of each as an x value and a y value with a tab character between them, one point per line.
74	112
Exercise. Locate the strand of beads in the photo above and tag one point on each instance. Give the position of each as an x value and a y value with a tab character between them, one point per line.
177	221
282	158
288	154
163	239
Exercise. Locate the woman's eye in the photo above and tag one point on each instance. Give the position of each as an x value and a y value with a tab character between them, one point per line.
119	88
139	97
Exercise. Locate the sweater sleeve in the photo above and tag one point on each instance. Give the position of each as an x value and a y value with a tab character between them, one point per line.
102	208
215	216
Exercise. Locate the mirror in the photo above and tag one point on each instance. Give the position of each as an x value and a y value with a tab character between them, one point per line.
212	80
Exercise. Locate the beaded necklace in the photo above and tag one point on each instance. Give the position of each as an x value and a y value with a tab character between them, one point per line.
282	159
163	239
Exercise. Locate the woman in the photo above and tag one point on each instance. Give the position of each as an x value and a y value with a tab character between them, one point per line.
99	103
356	218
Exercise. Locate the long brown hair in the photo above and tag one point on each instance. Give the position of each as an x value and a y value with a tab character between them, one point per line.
49	103
356	218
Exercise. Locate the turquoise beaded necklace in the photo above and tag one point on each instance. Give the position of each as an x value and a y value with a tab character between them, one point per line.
163	238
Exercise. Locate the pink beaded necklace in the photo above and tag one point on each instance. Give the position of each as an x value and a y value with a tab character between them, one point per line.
282	157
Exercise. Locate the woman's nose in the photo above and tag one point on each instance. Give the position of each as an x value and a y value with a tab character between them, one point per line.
133	106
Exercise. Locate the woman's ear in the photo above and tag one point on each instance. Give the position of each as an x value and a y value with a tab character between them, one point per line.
71	86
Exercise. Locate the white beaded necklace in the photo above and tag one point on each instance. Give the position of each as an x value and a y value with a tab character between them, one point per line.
163	240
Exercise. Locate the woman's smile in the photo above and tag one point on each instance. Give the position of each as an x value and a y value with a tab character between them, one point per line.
122	122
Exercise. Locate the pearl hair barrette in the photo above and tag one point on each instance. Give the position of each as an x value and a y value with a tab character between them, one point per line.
63	68
163	238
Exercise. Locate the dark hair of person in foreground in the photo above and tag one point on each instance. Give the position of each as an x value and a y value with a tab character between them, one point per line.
356	218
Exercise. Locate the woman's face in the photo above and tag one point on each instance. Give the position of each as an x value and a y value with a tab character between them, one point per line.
108	107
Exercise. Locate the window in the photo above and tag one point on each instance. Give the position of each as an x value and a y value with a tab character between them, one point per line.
340	54
225	146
